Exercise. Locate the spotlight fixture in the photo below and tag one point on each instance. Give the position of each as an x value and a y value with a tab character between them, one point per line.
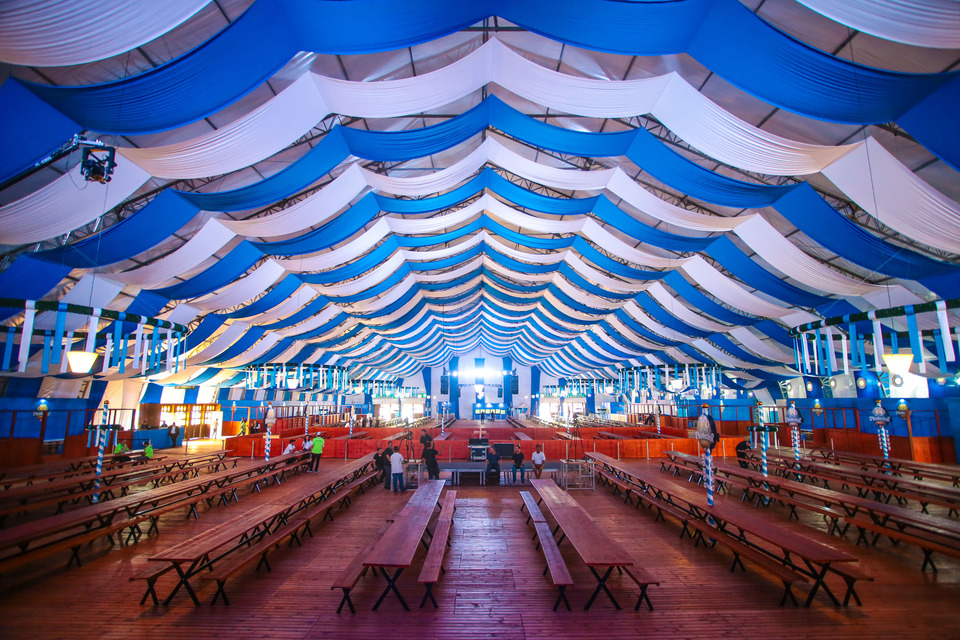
97	164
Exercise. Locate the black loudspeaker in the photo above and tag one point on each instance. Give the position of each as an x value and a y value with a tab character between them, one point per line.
514	384
444	385
499	392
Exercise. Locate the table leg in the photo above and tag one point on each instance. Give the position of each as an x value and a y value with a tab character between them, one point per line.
601	584
391	584
184	582
818	582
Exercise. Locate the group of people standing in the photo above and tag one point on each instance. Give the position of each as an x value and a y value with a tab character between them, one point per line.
390	460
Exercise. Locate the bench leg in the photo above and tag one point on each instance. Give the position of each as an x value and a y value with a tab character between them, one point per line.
428	594
562	596
851	591
788	592
927	559
151	592
643	596
220	593
346	599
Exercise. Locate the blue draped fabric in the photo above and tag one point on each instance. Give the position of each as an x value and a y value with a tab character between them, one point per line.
146	228
224	271
760	59
36	130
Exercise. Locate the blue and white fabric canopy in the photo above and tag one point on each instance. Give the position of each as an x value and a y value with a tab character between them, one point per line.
575	185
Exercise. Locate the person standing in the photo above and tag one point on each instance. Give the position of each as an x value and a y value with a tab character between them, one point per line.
538	460
174	434
430	456
426	441
518	458
396	470
316	450
387	473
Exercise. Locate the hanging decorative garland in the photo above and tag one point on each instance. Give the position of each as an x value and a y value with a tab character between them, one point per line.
151	339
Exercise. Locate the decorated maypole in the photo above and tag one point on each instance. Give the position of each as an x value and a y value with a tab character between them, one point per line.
658	420
101	442
794	420
708	437
763	430
881	418
270	419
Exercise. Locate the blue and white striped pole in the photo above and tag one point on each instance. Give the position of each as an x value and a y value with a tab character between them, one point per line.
884	441
708	475
267	448
658	420
101	437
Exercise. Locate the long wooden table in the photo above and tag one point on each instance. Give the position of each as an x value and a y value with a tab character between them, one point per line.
397	547
592	543
201	552
138	506
918	470
817	558
887	518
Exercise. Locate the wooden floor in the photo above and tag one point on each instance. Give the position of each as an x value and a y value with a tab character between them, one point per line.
493	587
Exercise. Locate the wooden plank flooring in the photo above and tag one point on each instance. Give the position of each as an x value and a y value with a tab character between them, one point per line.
493	587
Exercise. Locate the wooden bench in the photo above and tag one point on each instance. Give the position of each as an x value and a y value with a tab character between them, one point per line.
741	550
349	576
559	573
150	574
433	563
928	542
222	571
643	579
533	510
850	574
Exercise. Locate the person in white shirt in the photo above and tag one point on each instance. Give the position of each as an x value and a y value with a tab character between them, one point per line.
290	448
396	469
538	460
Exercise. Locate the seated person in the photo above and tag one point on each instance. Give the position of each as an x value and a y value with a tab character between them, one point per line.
493	460
148	450
742	448
120	452
307	443
518	464
290	448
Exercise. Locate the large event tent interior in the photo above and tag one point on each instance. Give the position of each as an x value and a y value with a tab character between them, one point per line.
634	234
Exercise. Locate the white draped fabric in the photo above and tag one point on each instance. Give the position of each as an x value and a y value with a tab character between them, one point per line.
684	110
67	203
765	349
212	237
922	23
52	33
884	188
244	289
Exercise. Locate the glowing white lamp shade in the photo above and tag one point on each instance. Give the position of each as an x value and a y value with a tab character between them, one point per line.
81	361
898	363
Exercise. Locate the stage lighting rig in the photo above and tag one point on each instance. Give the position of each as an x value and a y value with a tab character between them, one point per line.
97	162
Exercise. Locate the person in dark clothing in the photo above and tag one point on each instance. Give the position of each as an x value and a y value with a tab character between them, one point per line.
426	440
518	464
493	462
430	456
742	448
385	464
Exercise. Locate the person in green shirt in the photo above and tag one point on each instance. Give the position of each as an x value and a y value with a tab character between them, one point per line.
120	452
316	450
148	451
